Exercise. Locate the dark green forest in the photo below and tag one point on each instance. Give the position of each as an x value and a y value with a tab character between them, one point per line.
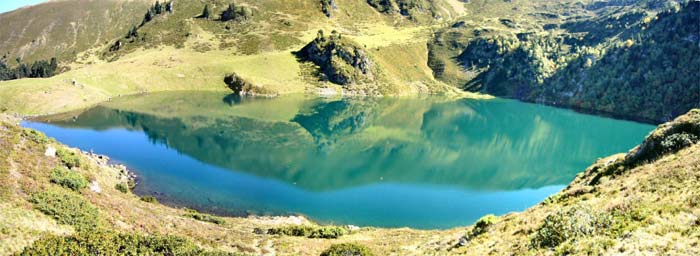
41	68
632	62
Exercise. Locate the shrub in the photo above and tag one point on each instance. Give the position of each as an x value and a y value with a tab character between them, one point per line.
111	243
569	225
204	217
483	224
35	136
149	199
291	231
347	249
326	232
68	179
678	141
121	187
69	158
67	208
239	85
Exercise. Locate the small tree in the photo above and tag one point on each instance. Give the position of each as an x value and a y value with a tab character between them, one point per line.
229	13
205	12
158	8
146	18
54	65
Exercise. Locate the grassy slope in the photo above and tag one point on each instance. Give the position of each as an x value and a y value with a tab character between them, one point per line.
63	28
651	208
259	50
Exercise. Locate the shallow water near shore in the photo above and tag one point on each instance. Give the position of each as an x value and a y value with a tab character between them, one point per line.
424	163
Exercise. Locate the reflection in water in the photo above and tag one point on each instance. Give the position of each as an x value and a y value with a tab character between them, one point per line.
425	163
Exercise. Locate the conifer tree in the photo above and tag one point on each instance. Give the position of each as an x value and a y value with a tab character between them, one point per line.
205	12
148	17
158	8
229	13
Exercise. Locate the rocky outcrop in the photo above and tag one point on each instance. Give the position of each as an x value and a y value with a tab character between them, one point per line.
667	139
340	60
406	8
240	86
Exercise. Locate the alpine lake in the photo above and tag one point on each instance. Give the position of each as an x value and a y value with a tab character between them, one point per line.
425	162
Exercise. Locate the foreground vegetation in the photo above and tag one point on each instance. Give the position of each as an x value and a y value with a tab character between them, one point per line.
642	202
631	58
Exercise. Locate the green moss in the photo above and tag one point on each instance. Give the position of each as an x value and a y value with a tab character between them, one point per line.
111	243
204	217
67	208
326	232
69	158
347	249
68	179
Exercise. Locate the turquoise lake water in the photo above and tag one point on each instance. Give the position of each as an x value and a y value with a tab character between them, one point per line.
422	162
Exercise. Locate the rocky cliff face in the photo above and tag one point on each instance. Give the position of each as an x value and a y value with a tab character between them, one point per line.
340	60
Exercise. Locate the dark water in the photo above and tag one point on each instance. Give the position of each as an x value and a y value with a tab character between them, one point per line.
422	163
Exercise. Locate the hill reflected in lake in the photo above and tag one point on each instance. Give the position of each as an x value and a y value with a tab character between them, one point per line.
325	146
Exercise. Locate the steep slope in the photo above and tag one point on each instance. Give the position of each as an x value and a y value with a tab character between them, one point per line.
634	60
64	28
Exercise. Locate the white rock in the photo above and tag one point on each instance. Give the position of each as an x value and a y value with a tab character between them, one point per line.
353	228
95	187
50	151
296	220
462	241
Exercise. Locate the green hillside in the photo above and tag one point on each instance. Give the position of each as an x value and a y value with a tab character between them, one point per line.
179	50
633	59
65	28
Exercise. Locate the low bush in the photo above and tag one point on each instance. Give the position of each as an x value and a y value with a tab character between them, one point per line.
149	199
67	208
67	157
68	179
204	217
483	224
111	243
347	249
121	187
35	136
569	225
326	232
